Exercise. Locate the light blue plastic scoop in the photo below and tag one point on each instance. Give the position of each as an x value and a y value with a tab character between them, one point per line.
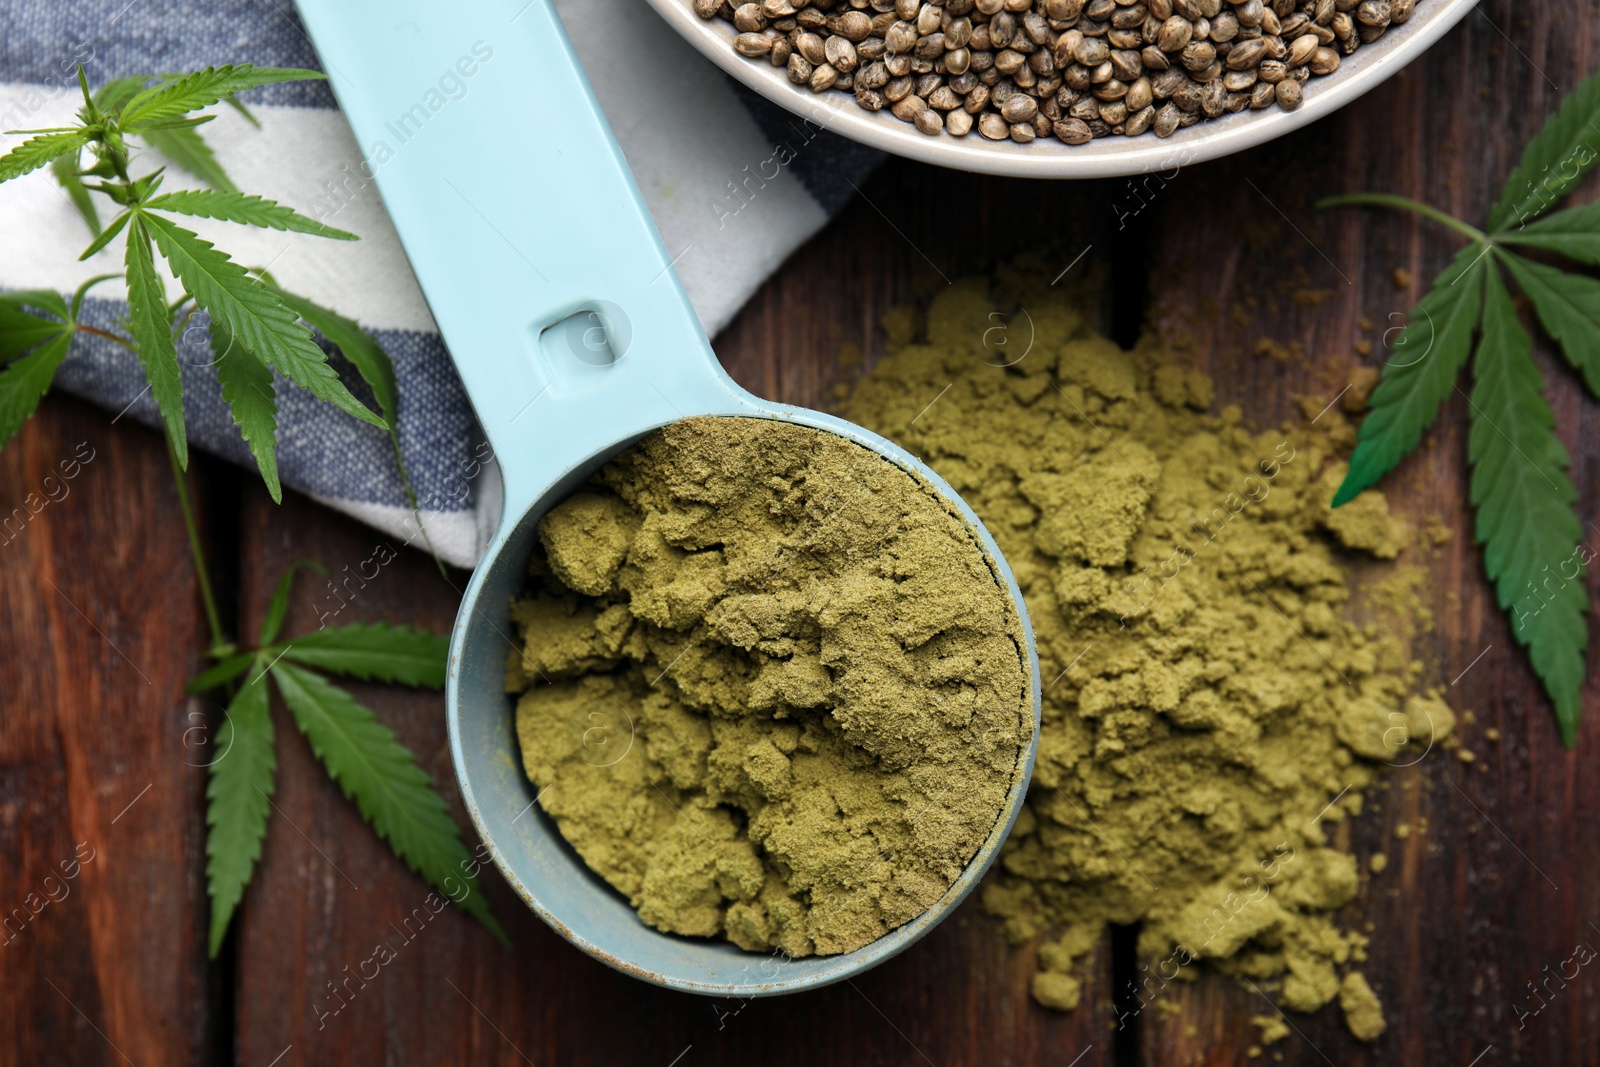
574	337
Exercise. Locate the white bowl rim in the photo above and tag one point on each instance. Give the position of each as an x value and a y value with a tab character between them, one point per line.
1103	157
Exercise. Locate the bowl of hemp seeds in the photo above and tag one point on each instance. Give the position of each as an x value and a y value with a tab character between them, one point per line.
1062	88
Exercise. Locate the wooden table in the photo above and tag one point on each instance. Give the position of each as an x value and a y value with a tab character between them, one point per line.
102	627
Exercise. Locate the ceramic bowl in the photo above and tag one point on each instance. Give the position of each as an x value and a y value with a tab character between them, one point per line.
1048	157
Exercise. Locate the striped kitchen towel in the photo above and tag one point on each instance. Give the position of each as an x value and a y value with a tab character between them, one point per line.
692	137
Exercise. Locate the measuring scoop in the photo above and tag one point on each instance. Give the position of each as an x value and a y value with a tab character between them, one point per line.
574	338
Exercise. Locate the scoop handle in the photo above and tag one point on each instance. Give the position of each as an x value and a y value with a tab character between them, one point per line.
539	260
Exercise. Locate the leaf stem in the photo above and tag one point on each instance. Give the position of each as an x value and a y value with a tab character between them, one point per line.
218	638
1406	204
107	334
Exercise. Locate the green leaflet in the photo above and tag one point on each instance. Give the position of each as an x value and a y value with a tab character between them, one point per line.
1523	496
376	369
382	777
1428	357
376	652
21	332
252	399
24	383
106	236
249	210
175	97
1574	233
65	170
238	801
181	123
278	607
189	151
244	112
42	299
252	313
111	96
152	337
1563	150
356	345
82	291
1568	306
35	152
222	673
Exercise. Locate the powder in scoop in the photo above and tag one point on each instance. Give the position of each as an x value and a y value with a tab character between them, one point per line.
772	689
1207	704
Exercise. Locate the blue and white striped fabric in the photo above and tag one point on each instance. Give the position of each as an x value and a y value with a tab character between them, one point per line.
692	137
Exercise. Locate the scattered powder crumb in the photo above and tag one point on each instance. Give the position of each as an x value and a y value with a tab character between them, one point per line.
1435	533
1362	1012
1312	298
1378	863
1466	755
1364	324
1277	350
1363	380
1364	522
1402	278
1273	1028
1056	990
1403	831
1363	348
1491	734
1206	695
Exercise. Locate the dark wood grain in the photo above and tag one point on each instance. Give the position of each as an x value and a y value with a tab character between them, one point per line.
100	632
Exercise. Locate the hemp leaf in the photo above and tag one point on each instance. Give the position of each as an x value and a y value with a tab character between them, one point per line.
238	800
1568	144
187	150
32	347
375	368
249	210
152	336
35	152
251	312
1430	353
176	96
371	766
256	328
1521	492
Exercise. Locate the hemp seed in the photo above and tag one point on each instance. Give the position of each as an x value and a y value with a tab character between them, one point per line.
1018	70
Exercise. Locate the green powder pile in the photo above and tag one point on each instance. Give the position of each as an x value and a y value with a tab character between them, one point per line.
771	689
1208	706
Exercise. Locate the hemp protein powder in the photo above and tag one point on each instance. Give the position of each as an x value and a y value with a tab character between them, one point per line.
770	686
1208	706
